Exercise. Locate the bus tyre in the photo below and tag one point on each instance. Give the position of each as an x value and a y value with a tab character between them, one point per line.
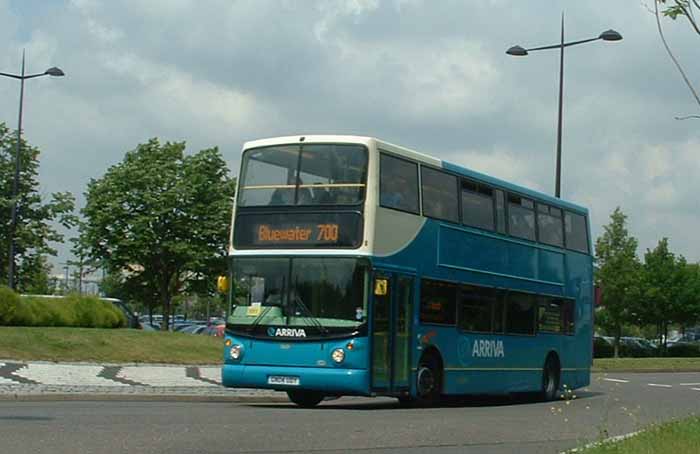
550	379
306	399
406	401
429	381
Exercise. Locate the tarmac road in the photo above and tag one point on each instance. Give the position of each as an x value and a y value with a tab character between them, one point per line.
614	404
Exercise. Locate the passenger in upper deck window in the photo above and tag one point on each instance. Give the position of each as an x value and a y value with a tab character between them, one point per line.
285	195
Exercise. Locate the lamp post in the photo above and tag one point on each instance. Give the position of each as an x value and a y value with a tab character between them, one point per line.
517	51
55	72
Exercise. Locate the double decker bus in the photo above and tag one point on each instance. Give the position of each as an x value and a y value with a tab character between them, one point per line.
359	267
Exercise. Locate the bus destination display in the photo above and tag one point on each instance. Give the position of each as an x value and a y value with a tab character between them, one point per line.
319	233
298	230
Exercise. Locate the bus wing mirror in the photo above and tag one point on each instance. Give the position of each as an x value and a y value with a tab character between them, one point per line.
222	284
381	287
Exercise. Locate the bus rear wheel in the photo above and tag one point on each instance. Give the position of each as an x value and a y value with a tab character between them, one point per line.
306	399
550	380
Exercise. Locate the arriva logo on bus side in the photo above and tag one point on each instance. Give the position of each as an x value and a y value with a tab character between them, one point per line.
488	349
286	332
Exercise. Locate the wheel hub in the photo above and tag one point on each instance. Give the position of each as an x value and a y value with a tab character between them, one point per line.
426	381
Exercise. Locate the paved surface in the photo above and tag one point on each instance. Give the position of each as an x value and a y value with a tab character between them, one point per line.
44	380
614	404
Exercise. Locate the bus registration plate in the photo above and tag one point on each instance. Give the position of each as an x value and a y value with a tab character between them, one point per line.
282	380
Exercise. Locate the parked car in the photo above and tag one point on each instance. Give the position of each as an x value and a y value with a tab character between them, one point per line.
149	326
214	330
179	326
602	347
193	329
636	347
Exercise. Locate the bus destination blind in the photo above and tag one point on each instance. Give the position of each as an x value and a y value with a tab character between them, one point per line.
298	230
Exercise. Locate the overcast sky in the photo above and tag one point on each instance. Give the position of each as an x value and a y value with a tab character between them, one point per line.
428	75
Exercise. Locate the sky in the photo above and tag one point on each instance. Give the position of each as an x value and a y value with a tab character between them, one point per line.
429	75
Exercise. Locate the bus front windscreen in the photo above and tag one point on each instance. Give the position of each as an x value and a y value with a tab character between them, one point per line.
308	175
298	297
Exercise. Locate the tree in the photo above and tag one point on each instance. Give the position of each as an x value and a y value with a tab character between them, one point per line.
160	218
35	217
686	9
618	274
662	283
687	308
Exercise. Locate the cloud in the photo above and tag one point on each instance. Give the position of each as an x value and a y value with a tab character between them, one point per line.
432	76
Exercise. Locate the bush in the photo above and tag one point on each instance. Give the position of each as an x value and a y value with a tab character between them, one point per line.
602	348
9	302
72	310
684	350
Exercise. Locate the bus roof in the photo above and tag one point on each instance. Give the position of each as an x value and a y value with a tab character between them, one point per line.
417	156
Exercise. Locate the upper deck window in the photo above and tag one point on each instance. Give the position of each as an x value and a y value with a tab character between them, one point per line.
314	174
521	217
398	184
549	224
477	205
576	232
439	195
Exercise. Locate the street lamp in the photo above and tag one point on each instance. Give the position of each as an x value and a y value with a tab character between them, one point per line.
518	51
55	72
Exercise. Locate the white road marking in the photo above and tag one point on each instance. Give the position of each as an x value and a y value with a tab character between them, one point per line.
690	384
695	389
660	386
616	380
160	376
602	442
65	375
211	373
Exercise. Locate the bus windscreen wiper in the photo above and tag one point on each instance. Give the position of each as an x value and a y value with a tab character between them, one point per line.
309	315
259	318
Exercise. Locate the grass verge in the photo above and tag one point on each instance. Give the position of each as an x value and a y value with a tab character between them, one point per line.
646	365
677	437
135	346
108	346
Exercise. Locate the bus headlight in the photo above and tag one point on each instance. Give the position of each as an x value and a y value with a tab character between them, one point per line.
236	352
338	355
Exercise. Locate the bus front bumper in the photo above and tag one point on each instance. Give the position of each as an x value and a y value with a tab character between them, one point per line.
334	381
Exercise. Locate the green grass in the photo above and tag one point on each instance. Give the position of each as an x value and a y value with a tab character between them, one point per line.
135	346
646	364
108	346
678	437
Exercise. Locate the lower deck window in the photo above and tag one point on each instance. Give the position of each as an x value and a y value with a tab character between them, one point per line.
520	316
478	309
437	302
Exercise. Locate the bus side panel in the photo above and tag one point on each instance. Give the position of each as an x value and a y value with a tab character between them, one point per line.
484	259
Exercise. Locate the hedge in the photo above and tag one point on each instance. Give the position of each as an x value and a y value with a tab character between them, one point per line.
71	310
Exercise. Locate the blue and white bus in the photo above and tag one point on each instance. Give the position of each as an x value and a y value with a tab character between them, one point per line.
364	268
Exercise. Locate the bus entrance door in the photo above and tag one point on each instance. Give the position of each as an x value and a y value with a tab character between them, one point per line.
391	334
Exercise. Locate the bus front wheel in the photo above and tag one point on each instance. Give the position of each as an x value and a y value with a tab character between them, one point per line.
306	399
429	380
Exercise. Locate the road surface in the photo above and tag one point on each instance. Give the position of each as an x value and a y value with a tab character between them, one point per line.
614	404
